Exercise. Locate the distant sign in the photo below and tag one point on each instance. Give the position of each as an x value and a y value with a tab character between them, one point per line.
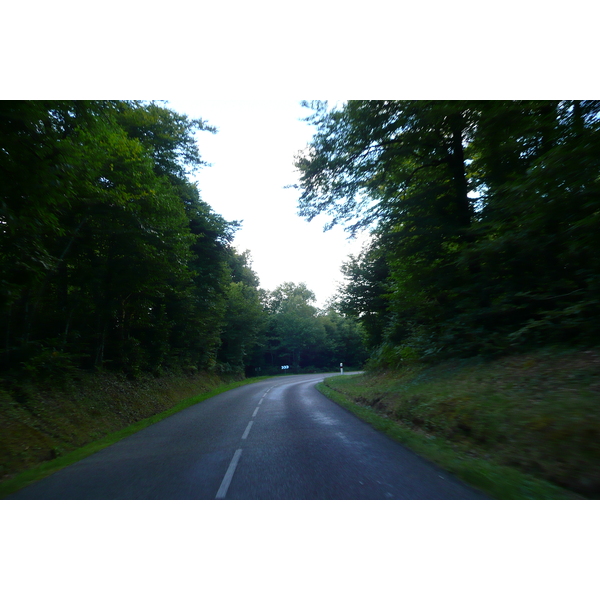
285	367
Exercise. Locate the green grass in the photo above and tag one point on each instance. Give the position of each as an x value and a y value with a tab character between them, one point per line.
518	428
40	471
521	427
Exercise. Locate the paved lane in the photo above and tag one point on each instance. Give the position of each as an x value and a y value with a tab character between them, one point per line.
275	439
304	446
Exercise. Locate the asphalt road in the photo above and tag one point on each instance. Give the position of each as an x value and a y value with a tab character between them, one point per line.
275	439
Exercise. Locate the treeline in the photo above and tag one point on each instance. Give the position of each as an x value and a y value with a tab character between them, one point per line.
109	258
484	220
300	336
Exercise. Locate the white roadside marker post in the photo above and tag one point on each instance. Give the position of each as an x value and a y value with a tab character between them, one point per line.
341	368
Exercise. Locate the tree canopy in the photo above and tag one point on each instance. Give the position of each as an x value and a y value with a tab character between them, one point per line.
110	259
108	256
481	215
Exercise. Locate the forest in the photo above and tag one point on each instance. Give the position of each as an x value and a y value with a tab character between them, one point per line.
474	306
111	261
483	220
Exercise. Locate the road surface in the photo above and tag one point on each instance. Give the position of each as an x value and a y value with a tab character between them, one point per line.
274	439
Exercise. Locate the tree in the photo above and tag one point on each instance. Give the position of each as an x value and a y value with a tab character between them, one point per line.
304	337
402	167
363	296
294	322
344	341
108	255
243	333
477	211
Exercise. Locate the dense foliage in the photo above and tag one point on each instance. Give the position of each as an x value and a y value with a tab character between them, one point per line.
483	217
108	255
109	259
303	337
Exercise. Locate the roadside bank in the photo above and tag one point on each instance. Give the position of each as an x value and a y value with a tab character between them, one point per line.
45	427
522	426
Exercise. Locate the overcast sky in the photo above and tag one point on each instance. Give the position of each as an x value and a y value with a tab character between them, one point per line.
252	160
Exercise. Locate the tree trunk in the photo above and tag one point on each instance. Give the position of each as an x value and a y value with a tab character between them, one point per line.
456	162
99	358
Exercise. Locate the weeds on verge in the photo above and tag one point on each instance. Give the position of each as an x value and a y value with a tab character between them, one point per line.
537	413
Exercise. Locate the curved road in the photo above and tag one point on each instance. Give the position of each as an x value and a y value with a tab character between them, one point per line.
275	439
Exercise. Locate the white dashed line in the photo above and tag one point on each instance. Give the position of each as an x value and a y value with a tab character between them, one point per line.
247	430
263	396
228	475
222	493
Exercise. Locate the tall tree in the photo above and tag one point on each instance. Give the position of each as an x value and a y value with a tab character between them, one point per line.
108	253
294	323
478	210
245	321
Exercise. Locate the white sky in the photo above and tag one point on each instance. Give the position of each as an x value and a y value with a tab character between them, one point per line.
252	160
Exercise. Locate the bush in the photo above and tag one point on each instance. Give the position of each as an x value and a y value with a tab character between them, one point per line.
388	356
50	365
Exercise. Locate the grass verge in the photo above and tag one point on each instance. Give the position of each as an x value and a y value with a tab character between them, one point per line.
40	471
499	481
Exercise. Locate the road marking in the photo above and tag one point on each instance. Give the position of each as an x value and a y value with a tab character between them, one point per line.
228	475
255	411
263	396
247	430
